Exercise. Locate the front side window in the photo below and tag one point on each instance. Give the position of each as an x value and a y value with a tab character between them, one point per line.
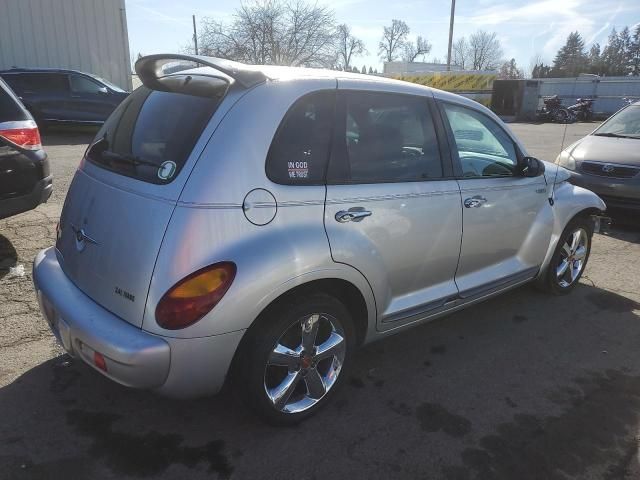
483	147
80	84
384	137
300	148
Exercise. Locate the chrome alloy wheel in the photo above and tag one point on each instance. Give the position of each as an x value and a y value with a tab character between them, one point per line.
305	363
572	257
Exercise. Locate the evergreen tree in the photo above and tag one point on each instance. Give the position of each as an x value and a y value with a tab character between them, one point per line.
509	70
570	60
613	55
634	55
541	71
364	70
370	71
594	59
626	46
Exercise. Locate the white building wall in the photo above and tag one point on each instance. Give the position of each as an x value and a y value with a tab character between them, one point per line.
608	92
86	35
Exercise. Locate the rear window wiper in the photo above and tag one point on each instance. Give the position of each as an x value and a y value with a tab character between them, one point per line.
109	156
613	135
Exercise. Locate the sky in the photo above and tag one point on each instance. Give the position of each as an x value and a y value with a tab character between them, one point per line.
525	28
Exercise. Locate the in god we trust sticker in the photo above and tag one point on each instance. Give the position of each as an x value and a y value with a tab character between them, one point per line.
298	169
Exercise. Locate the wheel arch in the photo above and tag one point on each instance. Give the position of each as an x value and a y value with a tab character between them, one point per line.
357	302
570	202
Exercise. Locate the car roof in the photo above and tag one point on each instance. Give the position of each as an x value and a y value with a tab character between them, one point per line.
40	70
149	69
275	73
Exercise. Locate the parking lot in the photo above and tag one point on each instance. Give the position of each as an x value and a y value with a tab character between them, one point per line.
524	386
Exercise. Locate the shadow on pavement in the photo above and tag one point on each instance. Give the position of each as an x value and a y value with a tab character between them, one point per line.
625	225
64	136
523	386
8	256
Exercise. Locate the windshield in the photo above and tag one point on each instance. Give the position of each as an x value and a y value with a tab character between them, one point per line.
625	123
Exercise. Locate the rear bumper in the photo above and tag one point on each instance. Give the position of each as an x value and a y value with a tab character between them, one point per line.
40	194
133	357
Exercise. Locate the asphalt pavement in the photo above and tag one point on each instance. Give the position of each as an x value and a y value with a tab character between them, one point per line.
523	386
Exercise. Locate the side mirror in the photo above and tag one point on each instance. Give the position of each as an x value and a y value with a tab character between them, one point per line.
103	90
531	167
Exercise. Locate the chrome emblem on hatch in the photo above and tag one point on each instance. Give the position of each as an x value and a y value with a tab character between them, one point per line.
608	168
81	238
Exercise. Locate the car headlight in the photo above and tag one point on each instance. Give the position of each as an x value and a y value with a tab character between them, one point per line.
566	160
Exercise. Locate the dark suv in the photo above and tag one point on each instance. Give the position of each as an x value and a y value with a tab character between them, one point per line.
64	96
25	180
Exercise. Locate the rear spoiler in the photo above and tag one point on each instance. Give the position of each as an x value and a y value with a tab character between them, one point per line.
152	68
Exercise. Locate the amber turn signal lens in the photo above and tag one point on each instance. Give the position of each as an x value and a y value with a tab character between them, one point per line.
194	296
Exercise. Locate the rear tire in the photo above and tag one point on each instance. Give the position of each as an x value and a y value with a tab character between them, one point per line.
570	257
561	115
296	358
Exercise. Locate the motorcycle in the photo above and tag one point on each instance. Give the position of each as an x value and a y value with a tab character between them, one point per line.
582	109
553	110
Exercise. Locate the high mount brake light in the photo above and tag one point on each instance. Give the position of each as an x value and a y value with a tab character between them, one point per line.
194	296
23	134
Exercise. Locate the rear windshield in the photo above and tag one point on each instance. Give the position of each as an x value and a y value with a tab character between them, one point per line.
10	109
151	134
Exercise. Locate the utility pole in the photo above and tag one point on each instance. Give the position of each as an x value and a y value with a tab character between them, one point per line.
453	10
195	36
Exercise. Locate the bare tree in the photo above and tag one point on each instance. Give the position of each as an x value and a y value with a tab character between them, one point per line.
273	32
412	50
393	40
461	53
347	46
486	51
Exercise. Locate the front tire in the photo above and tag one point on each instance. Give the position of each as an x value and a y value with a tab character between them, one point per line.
296	358
570	257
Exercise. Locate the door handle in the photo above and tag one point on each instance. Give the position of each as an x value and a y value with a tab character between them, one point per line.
355	214
475	201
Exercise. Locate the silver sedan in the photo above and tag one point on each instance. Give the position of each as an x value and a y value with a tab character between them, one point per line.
607	161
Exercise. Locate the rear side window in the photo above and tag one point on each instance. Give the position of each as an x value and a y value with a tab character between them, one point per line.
151	134
10	109
38	82
300	148
384	137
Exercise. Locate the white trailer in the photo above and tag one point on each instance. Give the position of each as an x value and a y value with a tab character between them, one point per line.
86	35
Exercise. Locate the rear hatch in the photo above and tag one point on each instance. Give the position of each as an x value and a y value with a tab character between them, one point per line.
123	195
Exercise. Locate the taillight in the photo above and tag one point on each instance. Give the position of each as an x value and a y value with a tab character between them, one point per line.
194	296
23	134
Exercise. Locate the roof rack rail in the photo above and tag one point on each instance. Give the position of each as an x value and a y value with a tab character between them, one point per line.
153	67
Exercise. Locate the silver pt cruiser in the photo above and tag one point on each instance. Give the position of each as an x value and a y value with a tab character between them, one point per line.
260	223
